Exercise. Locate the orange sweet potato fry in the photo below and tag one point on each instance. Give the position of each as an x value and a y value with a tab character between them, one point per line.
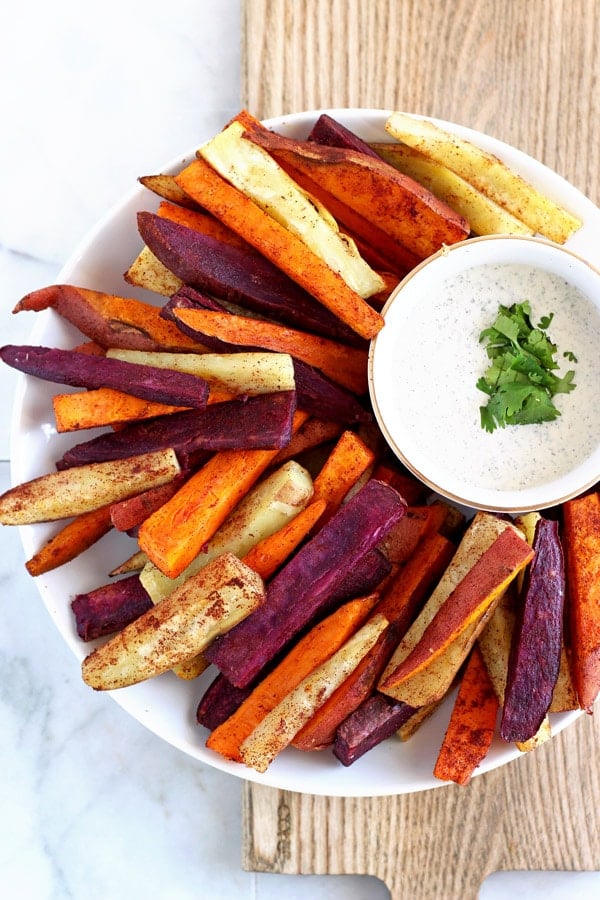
409	213
70	541
200	221
345	365
284	249
347	462
269	554
472	724
582	552
105	406
109	320
319	644
174	534
409	487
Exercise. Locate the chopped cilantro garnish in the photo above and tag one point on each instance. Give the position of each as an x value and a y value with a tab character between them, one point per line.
521	379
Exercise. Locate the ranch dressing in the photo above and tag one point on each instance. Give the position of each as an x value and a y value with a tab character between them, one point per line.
440	418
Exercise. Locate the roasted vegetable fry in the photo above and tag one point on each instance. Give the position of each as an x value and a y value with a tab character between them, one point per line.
276	500
318	645
307	583
537	639
480	588
487	173
408	212
438	676
178	628
175	533
248	374
104	406
342	364
582	550
238	275
376	719
261	422
281	724
90	371
108	320
269	555
109	608
280	246
256	174
484	215
70	541
60	495
471	727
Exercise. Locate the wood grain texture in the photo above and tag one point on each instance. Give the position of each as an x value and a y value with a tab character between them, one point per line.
527	72
524	71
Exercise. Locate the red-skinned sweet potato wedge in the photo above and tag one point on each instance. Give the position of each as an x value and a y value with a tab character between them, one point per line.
109	320
409	213
479	589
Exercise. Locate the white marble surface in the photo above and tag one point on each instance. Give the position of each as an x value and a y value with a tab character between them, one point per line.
94	806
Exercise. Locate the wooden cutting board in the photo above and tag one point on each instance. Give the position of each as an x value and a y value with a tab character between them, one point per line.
524	71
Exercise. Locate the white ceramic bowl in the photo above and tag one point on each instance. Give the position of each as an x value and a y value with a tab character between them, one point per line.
166	705
424	365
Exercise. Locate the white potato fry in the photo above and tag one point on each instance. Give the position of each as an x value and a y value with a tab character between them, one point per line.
147	271
255	173
265	509
487	173
484	215
239	373
178	628
70	492
280	726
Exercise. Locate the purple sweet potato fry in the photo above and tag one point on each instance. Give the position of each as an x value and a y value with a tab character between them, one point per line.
238	275
261	422
88	371
363	578
535	652
109	608
329	131
219	701
375	720
320	397
303	588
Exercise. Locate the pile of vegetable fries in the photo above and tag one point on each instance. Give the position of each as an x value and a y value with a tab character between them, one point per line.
276	538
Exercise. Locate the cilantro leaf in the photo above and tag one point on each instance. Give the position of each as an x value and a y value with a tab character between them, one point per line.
521	379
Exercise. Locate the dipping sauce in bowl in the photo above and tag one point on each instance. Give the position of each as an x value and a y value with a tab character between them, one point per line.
425	364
